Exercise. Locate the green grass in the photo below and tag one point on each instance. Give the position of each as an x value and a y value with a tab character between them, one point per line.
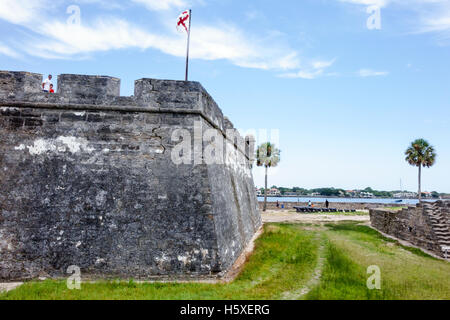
283	262
406	273
342	279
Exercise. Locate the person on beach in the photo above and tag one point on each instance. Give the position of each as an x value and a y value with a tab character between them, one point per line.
46	84
327	204
278	204
309	204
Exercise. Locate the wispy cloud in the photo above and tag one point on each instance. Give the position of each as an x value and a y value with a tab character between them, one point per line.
426	16
313	70
210	43
52	38
254	14
21	11
104	4
440	24
160	5
379	3
437	23
7	51
372	73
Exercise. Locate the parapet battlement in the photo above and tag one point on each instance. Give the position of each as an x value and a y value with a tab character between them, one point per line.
88	92
151	94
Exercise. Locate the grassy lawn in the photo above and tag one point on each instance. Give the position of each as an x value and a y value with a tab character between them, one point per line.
283	263
406	273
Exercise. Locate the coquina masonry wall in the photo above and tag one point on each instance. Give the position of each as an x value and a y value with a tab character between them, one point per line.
87	179
427	225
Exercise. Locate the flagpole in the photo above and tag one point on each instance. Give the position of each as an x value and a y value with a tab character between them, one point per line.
188	43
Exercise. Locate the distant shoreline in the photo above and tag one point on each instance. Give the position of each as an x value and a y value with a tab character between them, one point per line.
336	197
303	199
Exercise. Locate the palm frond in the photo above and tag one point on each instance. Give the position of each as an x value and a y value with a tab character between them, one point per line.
420	153
267	155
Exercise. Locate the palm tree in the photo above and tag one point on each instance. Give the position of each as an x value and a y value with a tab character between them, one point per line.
420	154
268	156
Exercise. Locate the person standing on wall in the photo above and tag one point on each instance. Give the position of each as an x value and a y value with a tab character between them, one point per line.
46	84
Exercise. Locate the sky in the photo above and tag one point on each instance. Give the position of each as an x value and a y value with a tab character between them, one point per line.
342	87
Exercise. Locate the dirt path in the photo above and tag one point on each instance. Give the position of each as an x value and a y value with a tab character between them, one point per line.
313	282
5	287
290	216
293	217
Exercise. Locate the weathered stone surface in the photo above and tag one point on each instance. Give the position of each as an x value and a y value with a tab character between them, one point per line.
87	179
16	84
427	225
88	89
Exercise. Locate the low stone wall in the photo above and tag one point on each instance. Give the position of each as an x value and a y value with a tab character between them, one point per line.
427	225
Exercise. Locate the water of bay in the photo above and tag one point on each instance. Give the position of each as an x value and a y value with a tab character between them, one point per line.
345	200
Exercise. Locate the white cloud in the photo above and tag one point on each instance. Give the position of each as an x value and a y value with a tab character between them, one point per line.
436	23
21	11
105	4
378	3
427	16
159	5
440	24
254	14
323	64
302	74
404	3
209	43
4	50
56	39
51	38
371	73
314	70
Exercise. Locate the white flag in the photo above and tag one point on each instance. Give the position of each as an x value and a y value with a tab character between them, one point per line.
183	22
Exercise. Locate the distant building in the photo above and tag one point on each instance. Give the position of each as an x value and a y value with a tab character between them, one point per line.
274	192
352	193
366	195
405	195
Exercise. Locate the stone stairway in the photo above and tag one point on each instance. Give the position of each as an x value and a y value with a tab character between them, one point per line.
439	216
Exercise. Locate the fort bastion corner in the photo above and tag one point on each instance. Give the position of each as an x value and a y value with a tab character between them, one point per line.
87	178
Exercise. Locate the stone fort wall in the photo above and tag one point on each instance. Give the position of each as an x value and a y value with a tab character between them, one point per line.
427	225
87	179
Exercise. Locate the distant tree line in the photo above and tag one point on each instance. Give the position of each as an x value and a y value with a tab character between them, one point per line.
334	192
